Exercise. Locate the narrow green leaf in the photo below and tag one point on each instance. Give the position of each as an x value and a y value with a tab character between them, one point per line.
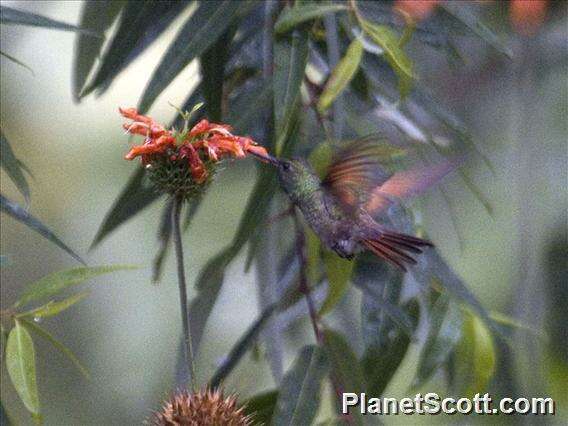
508	321
343	362
212	62
299	396
57	281
53	308
43	333
22	215
11	165
313	254
433	266
3	340
21	366
338	272
244	113
16	61
346	368
303	12
394	54
98	16
465	16
135	197
19	17
211	276
443	336
200	31
141	22
241	347
261	407
209	284
290	59
320	158
380	311
475	357
342	75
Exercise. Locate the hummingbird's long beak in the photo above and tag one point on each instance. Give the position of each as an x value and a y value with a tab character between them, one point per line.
267	158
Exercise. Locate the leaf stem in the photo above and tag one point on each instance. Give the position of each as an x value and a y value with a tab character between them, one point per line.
177	205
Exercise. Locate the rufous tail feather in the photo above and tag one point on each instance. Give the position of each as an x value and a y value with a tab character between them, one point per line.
393	247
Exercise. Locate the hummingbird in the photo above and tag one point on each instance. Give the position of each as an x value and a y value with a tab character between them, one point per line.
340	207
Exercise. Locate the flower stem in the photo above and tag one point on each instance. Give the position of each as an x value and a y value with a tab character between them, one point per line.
178	202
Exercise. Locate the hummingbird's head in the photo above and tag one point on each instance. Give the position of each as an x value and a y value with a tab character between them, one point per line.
295	175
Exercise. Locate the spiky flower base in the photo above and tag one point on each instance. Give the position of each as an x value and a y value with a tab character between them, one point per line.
203	408
175	178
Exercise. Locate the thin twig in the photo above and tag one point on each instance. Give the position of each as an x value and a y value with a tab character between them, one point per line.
177	204
304	287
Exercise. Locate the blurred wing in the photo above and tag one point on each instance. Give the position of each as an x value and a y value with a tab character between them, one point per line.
355	172
408	183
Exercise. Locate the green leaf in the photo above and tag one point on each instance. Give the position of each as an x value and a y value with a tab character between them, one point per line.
290	59
21	366
57	281
200	31
134	198
313	253
345	367
475	357
261	407
338	272
209	284
343	362
241	347
443	336
212	63
141	21
248	107
381	359
57	345
11	165
380	311
20	214
321	157
342	75
465	16
16	61
511	322
253	215
394	54
303	12
98	16
299	396
53	308
18	17
433	265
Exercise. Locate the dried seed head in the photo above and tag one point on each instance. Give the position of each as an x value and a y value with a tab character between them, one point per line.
206	407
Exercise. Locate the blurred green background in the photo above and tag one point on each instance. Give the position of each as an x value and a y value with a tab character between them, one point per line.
127	331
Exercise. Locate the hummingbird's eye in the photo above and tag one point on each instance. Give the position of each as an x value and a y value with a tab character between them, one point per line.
285	166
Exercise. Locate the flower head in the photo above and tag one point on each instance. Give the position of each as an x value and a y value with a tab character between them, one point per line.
206	407
182	162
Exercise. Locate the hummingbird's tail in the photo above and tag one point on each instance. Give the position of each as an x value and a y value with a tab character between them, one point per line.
393	247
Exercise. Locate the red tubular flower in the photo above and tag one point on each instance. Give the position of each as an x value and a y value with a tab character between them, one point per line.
204	144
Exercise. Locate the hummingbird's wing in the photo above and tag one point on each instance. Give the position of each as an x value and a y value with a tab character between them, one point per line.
355	172
408	183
